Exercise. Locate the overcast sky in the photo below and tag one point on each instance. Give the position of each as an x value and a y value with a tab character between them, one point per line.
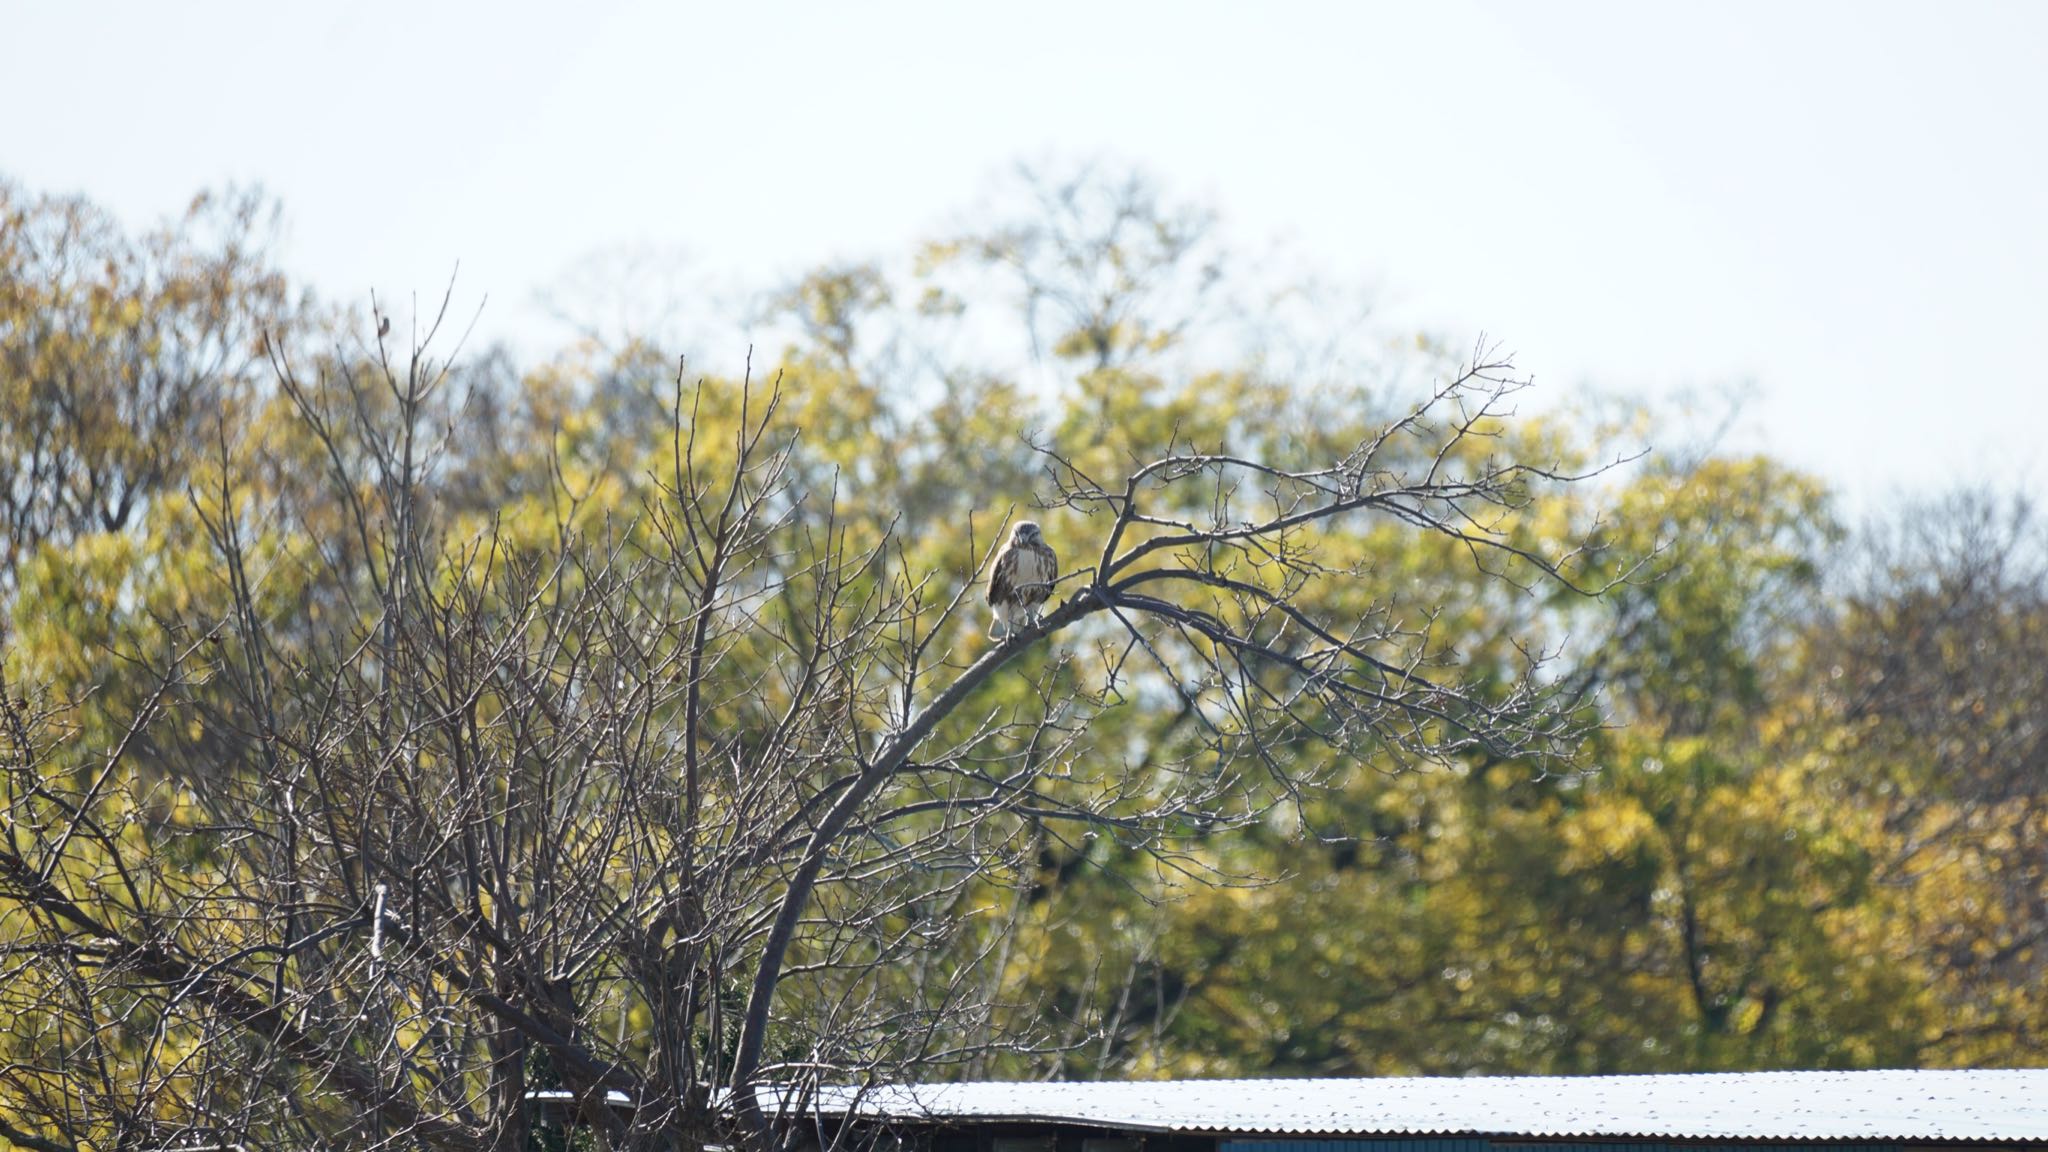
1841	204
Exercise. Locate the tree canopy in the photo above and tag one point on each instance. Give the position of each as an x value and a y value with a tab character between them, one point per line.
386	737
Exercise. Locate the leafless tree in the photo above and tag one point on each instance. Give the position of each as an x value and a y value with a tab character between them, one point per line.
1108	273
693	801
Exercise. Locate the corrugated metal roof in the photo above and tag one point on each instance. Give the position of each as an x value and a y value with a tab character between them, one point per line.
1914	1106
613	1097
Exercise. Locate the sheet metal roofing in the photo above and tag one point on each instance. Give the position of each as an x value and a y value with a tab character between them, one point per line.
1889	1106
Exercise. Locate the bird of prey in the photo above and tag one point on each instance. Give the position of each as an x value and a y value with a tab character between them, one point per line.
1021	580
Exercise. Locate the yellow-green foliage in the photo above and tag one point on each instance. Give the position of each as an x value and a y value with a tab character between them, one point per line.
1748	864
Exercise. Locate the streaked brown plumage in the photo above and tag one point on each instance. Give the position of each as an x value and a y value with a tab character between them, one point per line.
1021	580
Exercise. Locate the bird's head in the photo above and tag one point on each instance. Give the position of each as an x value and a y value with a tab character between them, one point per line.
1027	532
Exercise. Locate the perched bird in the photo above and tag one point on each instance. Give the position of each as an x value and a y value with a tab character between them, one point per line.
1022	579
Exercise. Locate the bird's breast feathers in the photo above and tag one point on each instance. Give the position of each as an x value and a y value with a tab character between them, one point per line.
1023	575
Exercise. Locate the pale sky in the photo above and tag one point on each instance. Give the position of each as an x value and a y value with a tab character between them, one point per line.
1839	204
